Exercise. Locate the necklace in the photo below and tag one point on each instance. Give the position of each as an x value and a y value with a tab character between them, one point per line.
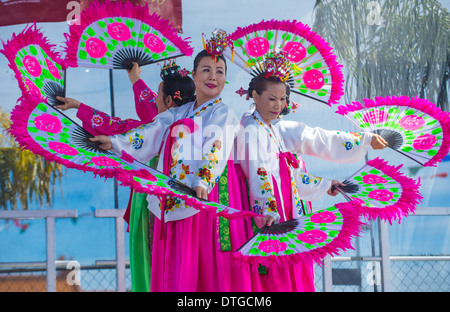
269	131
205	107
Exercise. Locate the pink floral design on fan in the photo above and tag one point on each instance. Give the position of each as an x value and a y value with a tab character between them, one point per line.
313	79
63	148
32	87
270	245
295	51
52	69
153	43
48	123
424	142
412	122
257	46
323	217
312	236
381	195
105	161
32	65
95	47
373	179
375	117
119	31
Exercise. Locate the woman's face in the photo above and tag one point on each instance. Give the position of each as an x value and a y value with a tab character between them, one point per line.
161	99
270	102
209	78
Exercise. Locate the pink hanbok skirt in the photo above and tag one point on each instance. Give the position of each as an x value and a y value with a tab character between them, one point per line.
188	258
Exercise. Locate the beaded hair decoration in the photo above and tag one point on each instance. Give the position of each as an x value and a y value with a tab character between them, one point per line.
276	64
217	44
170	69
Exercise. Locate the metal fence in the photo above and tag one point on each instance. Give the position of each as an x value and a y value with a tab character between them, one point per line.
338	274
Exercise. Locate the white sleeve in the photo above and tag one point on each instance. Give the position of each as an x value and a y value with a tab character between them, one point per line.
336	146
144	142
310	187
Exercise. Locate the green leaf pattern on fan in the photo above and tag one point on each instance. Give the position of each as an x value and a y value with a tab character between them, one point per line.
310	73
313	231
104	38
422	134
55	133
37	67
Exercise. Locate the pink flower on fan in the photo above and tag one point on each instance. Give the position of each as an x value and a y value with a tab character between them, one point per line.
62	148
119	31
104	161
313	79
32	65
270	246
257	47
312	237
295	51
373	179
153	43
52	69
48	123
323	217
381	195
95	48
412	122
424	142
31	86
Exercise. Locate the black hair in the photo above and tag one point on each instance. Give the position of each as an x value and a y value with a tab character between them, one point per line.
182	84
203	54
259	84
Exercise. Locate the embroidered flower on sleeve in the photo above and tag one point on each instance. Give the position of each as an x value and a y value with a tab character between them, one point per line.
137	141
97	121
146	95
348	145
205	174
257	207
305	179
117	120
272	206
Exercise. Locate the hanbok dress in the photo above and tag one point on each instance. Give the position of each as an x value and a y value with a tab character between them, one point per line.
278	182
189	253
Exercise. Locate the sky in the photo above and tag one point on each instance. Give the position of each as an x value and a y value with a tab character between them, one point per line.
88	239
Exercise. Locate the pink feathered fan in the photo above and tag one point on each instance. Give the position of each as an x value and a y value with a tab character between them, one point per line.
314	72
38	68
308	238
381	190
113	34
413	127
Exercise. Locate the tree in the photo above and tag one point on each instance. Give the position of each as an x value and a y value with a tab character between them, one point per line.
23	175
395	47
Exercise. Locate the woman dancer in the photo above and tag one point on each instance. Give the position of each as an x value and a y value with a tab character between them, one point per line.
273	173
187	247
